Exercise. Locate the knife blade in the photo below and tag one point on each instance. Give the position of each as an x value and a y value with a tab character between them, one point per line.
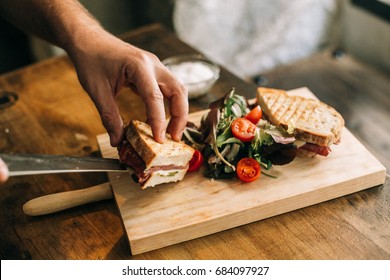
19	165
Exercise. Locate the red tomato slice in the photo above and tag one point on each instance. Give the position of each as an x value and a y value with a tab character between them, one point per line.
254	115
248	170
243	129
196	161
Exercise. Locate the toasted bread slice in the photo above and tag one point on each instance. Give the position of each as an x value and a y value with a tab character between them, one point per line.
310	120
171	152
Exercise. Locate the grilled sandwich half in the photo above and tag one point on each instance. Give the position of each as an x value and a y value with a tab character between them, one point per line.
154	163
314	124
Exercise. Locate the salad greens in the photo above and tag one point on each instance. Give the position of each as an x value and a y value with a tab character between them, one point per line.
222	151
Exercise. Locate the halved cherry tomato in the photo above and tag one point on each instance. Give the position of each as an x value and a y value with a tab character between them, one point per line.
196	161
248	170
243	129
254	115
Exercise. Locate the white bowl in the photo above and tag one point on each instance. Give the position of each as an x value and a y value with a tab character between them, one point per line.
195	72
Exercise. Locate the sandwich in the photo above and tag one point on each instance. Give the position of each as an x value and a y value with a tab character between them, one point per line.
314	124
153	163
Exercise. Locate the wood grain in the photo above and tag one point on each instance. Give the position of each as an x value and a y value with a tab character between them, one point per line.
197	206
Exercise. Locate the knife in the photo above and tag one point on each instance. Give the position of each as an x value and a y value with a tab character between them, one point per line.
56	202
19	165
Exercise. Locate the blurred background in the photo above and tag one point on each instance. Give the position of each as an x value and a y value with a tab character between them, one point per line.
245	36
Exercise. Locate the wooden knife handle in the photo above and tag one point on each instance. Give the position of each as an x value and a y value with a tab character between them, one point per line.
60	201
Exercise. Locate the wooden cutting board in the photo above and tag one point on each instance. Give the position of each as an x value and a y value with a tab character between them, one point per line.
197	206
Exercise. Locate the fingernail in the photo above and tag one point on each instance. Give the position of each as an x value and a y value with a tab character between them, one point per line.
162	137
4	173
113	139
178	136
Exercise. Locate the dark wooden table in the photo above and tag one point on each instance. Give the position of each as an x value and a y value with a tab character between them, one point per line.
52	115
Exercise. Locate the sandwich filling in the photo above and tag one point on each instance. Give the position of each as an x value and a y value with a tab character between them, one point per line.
315	149
129	156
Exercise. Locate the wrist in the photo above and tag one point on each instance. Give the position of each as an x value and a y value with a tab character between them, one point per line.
80	35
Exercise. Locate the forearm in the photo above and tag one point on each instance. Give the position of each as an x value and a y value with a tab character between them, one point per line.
61	22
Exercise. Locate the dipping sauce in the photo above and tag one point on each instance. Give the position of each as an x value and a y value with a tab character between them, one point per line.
197	74
192	72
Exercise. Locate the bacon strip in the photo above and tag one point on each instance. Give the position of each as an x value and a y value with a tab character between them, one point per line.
314	148
129	156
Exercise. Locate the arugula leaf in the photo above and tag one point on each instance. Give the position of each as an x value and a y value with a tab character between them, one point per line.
234	106
173	173
254	150
213	119
231	140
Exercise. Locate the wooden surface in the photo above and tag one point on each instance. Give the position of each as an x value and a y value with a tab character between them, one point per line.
197	206
53	115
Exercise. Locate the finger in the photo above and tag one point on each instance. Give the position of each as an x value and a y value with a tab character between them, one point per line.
4	172
110	116
148	89
178	105
113	123
155	112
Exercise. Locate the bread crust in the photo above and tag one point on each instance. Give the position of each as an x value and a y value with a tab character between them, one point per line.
312	120
139	134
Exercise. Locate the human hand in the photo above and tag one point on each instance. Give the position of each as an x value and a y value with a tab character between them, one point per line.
105	64
3	171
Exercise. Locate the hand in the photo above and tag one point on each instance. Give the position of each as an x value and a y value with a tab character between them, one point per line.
3	171
105	64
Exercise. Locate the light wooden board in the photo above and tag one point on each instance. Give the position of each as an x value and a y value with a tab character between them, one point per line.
197	206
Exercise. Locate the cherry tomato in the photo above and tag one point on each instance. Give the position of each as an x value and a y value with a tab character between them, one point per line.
254	115
248	170
196	161
243	129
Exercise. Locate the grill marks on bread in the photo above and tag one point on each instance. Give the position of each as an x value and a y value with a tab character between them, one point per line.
313	121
